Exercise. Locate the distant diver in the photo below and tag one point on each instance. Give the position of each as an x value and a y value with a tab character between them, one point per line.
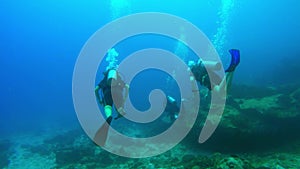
171	108
200	73
114	91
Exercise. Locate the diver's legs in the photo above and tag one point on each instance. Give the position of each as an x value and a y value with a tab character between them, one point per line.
235	61
101	134
229	77
226	82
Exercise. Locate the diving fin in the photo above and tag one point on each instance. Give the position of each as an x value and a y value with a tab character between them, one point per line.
119	116
121	113
235	59
101	135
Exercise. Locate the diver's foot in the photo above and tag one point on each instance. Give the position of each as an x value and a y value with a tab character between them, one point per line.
109	119
235	59
120	116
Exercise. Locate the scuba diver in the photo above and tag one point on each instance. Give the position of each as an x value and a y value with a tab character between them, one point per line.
172	108
201	75
114	91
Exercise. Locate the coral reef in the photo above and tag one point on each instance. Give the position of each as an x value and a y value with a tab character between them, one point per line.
257	131
255	122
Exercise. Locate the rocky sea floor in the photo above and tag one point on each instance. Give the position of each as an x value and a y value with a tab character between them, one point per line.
79	152
259	130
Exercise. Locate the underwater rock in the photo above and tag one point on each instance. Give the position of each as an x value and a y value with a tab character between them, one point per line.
260	104
188	157
150	166
251	123
288	88
296	96
5	147
275	159
105	158
230	163
39	149
249	92
196	167
232	102
67	157
72	147
284	101
66	137
204	161
272	166
279	105
4	160
137	164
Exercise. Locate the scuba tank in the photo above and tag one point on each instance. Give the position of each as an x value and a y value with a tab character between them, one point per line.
212	65
200	68
112	75
111	69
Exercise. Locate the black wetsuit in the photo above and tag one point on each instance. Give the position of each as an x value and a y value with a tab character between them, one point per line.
113	90
201	75
172	109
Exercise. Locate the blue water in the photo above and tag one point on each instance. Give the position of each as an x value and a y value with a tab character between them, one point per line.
41	40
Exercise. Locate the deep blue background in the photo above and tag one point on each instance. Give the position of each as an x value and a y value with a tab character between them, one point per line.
40	42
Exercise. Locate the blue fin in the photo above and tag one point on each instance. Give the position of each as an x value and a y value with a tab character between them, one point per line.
235	59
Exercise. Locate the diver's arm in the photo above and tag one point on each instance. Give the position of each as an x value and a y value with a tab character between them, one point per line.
126	91
97	94
193	82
